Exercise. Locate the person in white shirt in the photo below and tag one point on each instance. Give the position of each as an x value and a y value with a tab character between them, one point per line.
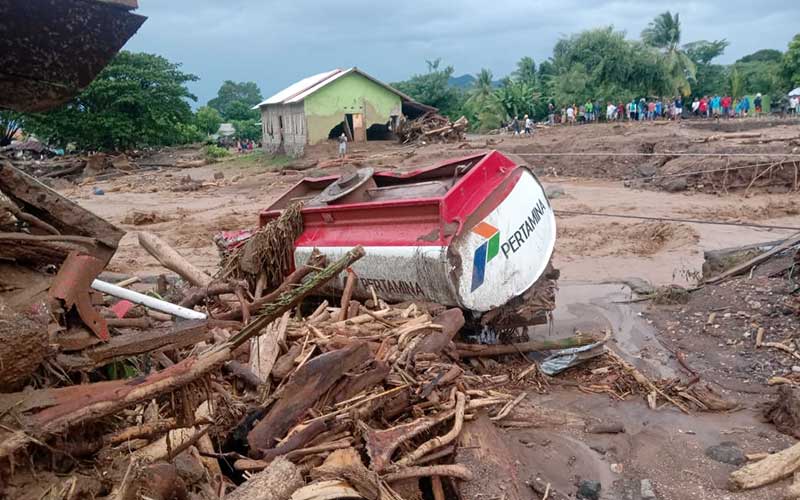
570	115
611	112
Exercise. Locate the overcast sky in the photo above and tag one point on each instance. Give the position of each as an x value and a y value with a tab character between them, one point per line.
275	43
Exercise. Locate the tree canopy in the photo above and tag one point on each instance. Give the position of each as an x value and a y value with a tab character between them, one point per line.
235	100
208	119
137	100
790	65
432	88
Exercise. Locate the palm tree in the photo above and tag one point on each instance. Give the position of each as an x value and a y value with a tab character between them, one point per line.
664	33
484	102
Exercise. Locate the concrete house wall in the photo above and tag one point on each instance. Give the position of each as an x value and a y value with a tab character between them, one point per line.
352	93
283	125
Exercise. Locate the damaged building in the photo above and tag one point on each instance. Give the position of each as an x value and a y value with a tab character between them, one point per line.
325	105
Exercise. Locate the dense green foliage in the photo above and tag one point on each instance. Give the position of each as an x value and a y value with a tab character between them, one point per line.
208	119
790	69
247	129
235	100
603	65
137	100
432	88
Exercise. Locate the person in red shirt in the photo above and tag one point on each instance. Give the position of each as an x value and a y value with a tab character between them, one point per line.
703	108
726	106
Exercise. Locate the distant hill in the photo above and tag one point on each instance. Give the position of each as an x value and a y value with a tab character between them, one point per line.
462	82
467	81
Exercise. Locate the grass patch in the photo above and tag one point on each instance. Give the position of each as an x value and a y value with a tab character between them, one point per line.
260	160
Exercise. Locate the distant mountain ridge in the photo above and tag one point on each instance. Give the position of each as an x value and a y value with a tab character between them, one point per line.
466	81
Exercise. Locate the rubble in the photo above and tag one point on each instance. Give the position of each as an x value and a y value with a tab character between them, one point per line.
432	127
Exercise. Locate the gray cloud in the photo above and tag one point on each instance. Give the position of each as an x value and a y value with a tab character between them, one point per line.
276	43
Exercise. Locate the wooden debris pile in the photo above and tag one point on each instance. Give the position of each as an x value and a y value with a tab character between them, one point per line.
432	127
357	400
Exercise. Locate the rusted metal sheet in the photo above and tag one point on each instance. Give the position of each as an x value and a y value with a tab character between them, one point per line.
72	284
50	50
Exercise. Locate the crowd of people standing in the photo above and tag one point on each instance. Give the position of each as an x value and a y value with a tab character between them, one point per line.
656	109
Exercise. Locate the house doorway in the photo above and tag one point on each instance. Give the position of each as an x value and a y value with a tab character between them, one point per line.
355	124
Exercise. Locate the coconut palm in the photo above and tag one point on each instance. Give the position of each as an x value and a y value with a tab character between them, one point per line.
484	102
664	33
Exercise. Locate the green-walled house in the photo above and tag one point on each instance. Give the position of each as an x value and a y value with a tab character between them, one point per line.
324	106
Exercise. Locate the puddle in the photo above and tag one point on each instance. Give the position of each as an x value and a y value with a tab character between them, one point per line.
594	308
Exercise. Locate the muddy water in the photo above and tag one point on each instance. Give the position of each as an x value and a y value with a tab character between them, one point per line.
597	307
614	255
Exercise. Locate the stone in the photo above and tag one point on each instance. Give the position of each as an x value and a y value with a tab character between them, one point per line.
554	192
675	185
647	490
190	466
219	175
589	490
796	369
726	453
647	170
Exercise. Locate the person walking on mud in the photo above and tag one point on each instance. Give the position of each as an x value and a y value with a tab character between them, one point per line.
342	146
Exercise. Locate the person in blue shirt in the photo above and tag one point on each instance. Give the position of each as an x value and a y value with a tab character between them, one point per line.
658	109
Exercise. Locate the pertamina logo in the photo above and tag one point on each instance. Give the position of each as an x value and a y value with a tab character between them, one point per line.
484	253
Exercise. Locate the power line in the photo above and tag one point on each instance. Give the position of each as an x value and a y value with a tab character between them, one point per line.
673	219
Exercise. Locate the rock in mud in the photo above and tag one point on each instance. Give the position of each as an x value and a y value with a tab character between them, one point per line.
647	491
589	490
554	192
727	453
675	185
647	170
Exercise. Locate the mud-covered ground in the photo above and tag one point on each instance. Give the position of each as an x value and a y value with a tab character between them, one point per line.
599	258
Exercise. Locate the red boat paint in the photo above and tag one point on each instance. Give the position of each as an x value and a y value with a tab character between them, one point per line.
471	232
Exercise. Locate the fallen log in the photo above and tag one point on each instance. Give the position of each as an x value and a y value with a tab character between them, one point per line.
476	350
172	260
277	482
307	384
124	346
346	464
23	347
773	468
744	267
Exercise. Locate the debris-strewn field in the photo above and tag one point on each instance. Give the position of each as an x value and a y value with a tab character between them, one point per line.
692	388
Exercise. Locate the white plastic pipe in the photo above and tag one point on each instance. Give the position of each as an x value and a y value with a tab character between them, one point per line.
146	300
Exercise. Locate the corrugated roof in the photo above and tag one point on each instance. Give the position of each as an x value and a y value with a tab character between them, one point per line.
300	90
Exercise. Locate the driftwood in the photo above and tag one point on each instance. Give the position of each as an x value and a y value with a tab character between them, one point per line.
785	411
454	470
349	285
285	363
381	444
439	441
773	468
346	464
123	346
307	384
172	260
475	350
315	262
265	348
347	388
276	482
23	347
67	407
744	267
434	341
